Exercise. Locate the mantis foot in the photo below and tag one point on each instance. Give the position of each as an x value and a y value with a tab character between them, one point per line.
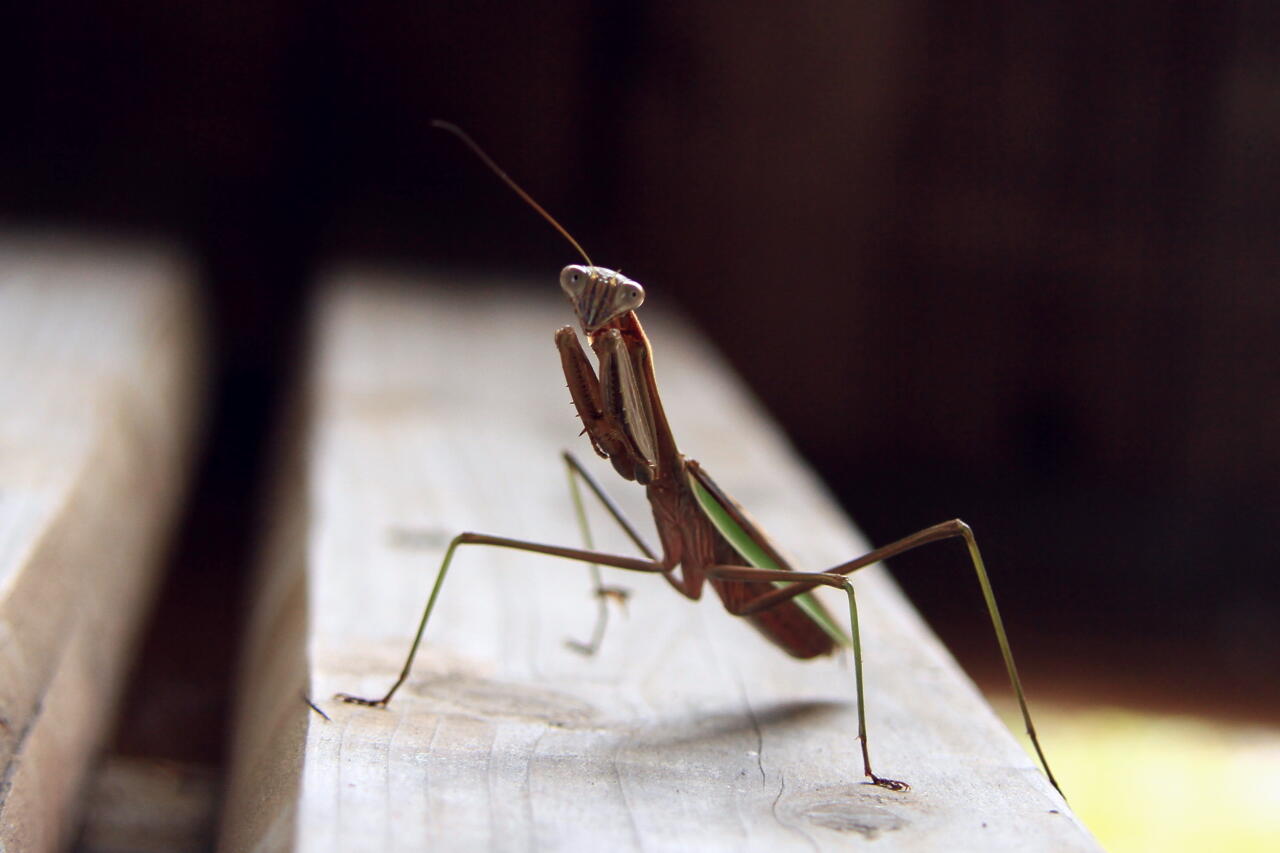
604	594
585	649
617	594
890	784
356	700
313	706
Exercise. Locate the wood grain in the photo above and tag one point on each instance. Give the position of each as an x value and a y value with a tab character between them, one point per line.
98	365
435	405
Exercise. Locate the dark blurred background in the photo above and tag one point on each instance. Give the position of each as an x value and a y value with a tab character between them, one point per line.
1012	262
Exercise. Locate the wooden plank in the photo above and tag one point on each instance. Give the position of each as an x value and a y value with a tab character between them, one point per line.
437	406
148	805
98	359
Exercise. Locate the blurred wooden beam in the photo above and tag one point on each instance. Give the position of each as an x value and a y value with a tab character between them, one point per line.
436	405
98	366
147	805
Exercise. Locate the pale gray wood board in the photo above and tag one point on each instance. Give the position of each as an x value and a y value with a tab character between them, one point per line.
436	406
99	368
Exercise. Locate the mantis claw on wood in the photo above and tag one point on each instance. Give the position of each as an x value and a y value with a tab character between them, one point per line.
705	536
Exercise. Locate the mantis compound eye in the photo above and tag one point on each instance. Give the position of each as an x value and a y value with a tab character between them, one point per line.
573	280
630	296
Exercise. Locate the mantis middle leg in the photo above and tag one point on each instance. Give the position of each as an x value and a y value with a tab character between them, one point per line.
575	471
586	556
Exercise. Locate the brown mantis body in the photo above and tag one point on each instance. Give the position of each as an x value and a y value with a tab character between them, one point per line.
622	414
705	536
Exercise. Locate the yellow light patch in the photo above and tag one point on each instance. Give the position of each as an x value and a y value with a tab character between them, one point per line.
1152	782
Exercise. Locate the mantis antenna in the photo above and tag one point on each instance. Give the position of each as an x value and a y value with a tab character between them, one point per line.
488	161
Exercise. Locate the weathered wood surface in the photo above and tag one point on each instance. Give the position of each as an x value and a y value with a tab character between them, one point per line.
439	409
98	368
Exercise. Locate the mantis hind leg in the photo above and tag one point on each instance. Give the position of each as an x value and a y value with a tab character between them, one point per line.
810	580
574	471
954	529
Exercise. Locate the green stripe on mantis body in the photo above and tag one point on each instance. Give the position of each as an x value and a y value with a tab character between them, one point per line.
746	545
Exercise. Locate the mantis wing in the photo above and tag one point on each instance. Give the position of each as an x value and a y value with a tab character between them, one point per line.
746	537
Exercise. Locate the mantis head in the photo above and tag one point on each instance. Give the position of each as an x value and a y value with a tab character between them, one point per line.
599	295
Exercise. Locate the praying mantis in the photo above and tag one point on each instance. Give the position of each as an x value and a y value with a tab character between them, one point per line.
706	538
